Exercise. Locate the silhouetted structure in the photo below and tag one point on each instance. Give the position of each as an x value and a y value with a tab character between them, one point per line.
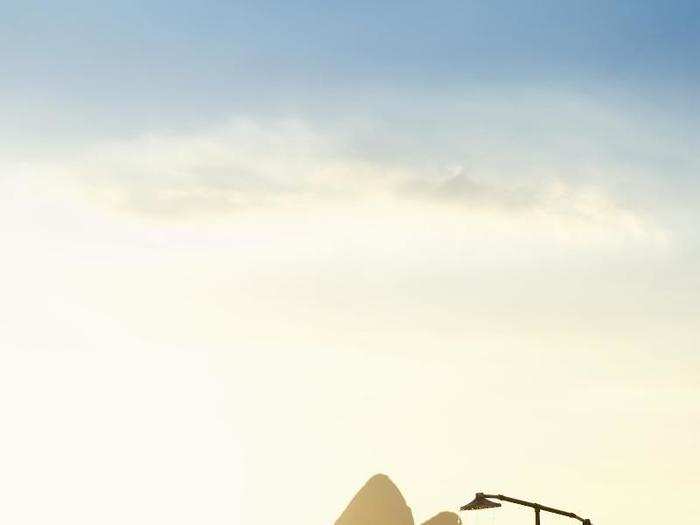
481	501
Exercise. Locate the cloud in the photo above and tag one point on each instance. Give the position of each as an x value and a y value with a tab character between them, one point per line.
257	166
554	200
243	165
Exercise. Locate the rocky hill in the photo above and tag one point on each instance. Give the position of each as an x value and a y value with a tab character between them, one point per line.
379	502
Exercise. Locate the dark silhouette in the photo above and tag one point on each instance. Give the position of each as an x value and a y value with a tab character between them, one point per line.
379	502
481	501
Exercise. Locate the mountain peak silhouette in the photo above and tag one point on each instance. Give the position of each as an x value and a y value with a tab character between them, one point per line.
444	518
378	502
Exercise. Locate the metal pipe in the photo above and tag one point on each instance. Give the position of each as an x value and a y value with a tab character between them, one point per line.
535	506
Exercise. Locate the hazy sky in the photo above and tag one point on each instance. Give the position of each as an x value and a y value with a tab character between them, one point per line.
254	253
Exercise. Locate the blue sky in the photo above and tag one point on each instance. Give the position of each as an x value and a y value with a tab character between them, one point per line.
172	60
78	73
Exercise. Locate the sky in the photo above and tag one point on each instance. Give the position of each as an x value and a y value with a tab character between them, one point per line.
255	252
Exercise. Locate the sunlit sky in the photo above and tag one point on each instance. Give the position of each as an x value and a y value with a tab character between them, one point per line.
255	252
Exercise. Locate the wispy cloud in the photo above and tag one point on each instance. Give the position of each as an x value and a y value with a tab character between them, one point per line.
253	166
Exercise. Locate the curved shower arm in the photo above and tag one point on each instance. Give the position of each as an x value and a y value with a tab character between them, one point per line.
535	506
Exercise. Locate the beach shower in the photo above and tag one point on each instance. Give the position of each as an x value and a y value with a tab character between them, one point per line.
483	501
